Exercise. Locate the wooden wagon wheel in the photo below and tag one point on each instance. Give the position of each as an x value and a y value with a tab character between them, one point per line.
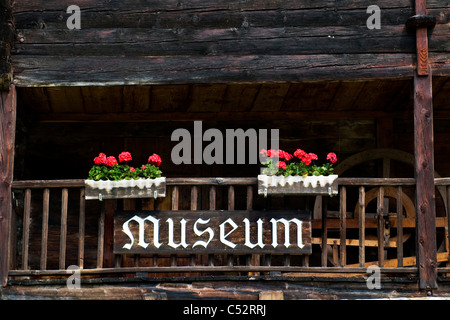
389	192
386	154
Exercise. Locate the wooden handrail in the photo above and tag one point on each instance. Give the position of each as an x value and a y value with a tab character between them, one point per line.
76	183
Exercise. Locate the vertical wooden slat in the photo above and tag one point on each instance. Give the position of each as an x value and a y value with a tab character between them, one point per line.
399	227
254	259
380	229
362	226
175	197
101	236
212	198
108	254
194	198
26	229
81	228
343	225
175	200
231	202
249	198
194	206
231	198
335	250
212	206
324	253
63	235
45	215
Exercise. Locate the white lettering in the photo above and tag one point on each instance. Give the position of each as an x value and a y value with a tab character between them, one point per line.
183	234
223	235
141	222
286	223
248	243
200	233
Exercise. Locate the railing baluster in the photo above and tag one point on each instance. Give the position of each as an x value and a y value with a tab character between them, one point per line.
324	253
63	235
81	229
343	226
254	259
45	215
101	236
230	257
230	198
26	229
362	226
212	197
380	226
175	199
194	206
212	206
399	227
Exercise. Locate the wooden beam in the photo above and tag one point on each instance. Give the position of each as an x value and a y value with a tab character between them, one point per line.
8	102
145	70
424	160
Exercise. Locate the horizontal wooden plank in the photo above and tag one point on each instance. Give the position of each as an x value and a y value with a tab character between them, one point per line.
217	42
82	71
202	17
175	5
61	117
194	269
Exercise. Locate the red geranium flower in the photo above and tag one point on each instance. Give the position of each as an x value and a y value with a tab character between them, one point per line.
101	159
332	157
299	153
132	169
285	155
125	156
281	164
154	159
313	156
110	161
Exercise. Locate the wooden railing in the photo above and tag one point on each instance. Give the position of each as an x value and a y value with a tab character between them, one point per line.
350	232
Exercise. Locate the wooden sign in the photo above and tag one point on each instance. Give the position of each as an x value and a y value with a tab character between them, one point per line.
234	232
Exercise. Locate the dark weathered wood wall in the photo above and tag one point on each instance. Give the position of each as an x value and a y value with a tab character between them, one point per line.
6	43
129	42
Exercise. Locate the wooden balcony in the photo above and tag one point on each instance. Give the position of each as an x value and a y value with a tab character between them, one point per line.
370	222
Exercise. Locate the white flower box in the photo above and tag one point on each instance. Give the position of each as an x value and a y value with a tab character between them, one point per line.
125	189
297	185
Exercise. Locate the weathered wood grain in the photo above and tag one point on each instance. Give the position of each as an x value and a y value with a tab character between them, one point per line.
6	43
7	142
42	71
168	42
425	189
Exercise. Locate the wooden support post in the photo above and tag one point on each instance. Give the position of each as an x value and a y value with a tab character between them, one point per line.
8	103
424	161
424	151
424	173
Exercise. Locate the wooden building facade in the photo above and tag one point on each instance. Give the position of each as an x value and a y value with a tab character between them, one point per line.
370	83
